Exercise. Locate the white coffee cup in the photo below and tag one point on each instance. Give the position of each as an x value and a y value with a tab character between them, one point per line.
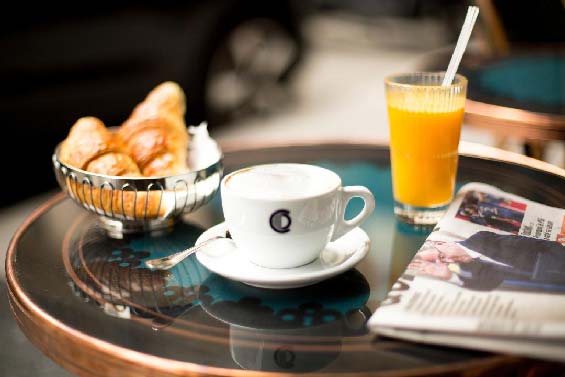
283	215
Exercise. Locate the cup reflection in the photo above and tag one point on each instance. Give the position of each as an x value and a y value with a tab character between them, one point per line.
296	330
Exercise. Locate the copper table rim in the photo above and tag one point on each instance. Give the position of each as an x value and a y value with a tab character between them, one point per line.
466	149
174	367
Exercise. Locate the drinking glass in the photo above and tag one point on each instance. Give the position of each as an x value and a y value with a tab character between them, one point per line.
425	124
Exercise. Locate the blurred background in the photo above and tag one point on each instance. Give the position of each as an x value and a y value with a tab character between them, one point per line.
256	71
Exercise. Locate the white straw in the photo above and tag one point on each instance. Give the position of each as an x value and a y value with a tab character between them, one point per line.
464	35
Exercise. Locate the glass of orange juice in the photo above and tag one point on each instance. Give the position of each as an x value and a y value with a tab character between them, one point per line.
425	123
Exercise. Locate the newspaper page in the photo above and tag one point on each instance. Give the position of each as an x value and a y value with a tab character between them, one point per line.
549	349
493	267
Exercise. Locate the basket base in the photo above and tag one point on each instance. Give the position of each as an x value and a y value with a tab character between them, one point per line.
118	228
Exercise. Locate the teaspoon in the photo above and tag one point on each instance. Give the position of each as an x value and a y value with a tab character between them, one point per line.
172	260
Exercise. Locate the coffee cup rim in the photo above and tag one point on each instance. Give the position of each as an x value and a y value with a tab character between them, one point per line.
331	189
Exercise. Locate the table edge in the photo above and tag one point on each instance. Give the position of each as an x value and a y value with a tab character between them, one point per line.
466	149
486	152
154	364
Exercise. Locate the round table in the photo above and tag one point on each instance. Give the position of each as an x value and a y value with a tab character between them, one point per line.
88	302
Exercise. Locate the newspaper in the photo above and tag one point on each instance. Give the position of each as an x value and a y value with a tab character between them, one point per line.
490	276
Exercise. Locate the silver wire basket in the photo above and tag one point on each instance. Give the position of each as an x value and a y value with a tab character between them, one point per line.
146	204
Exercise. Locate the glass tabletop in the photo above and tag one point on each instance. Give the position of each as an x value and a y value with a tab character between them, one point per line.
90	288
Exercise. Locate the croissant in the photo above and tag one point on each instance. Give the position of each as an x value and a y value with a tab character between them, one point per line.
90	146
167	97
155	133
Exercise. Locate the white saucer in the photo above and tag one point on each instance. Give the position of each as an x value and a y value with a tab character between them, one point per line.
224	258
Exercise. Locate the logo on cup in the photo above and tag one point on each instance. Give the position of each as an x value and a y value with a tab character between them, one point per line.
284	357
280	221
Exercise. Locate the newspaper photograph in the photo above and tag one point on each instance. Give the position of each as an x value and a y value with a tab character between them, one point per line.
493	266
479	207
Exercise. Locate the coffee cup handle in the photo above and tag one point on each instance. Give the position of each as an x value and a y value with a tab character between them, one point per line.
347	193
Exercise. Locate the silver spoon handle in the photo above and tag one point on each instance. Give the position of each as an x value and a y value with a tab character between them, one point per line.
172	260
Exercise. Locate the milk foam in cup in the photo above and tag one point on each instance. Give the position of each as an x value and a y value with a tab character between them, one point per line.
283	215
283	181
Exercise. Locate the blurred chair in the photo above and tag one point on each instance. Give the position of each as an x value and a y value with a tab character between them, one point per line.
522	68
511	25
516	84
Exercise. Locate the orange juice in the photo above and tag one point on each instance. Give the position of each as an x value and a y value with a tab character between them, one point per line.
425	119
424	147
